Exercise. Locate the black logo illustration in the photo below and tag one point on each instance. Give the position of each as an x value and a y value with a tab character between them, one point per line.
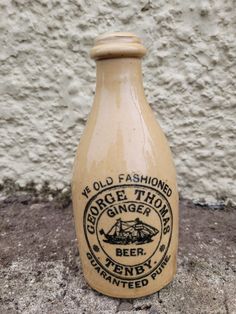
128	232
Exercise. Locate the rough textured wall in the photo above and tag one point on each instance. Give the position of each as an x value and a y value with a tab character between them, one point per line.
47	84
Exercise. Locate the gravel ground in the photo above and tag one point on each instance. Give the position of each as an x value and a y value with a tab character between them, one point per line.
41	273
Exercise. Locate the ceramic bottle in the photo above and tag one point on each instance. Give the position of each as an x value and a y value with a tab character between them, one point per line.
124	187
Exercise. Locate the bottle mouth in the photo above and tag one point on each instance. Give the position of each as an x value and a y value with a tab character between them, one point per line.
117	45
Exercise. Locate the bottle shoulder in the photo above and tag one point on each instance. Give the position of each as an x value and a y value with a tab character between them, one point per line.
131	140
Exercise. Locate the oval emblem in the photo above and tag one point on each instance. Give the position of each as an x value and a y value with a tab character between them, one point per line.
128	230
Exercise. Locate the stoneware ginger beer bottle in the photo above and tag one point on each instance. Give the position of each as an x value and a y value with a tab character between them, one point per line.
125	195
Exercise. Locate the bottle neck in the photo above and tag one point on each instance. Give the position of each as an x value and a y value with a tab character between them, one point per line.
119	78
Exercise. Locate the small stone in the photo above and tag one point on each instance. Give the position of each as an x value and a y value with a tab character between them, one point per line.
125	306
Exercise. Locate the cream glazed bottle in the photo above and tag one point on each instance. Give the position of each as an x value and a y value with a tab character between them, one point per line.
124	187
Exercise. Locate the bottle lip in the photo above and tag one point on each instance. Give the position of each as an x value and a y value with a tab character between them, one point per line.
117	45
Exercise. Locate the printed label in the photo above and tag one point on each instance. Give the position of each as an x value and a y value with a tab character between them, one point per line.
128	231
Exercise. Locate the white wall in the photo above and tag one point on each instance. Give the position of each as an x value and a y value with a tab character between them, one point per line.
47	84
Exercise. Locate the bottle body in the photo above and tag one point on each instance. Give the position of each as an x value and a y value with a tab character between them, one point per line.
124	189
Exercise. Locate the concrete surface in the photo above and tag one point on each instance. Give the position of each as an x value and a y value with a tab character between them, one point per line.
47	83
40	269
